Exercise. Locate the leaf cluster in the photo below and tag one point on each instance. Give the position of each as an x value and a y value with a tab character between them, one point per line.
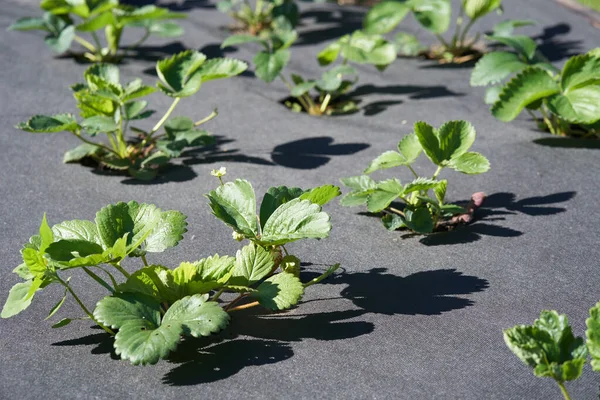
564	103
436	17
446	147
266	16
155	306
108	107
334	83
551	349
65	20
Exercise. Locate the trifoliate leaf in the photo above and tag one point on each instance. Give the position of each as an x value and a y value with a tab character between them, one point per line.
549	347
18	299
99	123
524	45
475	9
180	75
470	163
279	292
269	65
296	219
234	203
433	15
495	67
219	68
50	124
593	336
196	316
418	220
580	71
407	44
80	152
385	16
529	86
167	233
385	192
321	195
252	263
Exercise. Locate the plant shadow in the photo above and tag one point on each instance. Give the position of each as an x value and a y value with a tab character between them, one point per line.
422	293
569	143
176	6
329	23
553	46
495	207
311	153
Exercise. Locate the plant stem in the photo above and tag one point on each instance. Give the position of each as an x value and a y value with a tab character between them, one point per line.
164	118
101	281
142	40
463	37
437	172
459	22
396	211
206	119
563	390
547	120
442	41
121	270
325	102
241	296
85	44
95	144
144	260
96	40
413	171
218	294
301	99
84	308
243	306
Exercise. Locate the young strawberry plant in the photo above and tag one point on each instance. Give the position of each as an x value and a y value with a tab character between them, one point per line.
324	96
565	103
64	21
265	16
446	147
436	17
496	67
551	349
108	107
149	310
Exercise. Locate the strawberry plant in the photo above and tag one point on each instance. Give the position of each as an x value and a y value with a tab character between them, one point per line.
149	310
108	107
65	20
496	67
563	103
264	17
446	147
324	96
436	17
551	349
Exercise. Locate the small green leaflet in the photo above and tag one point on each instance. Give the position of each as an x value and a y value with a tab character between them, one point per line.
279	292
252	263
593	336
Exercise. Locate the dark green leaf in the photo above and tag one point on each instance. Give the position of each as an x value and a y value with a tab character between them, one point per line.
234	203
279	292
418	220
270	65
49	124
385	16
495	67
180	75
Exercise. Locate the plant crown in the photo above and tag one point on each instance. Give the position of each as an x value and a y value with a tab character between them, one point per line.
107	107
446	147
65	20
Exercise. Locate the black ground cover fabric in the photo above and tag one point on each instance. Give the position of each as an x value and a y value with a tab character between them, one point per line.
407	318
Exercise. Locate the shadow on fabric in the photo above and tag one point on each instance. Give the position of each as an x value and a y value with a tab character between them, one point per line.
569	143
329	24
313	152
177	6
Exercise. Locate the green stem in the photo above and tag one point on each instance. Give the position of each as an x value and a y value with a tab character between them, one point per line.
259	6
95	144
139	42
165	117
206	119
547	120
241	296
437	172
101	281
84	308
563	390
413	171
244	306
121	270
144	260
463	36
85	44
301	99
442	41
96	40
459	22
325	102
218	294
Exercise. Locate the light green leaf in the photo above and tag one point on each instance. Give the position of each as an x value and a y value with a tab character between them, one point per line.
80	152
241	39
455	138
329	54
385	16
371	49
77	229
389	159
420	184
216	268
408	45
167	233
62	322
418	220
362	187
302	88
35	261
296	219
234	203
321	195
18	299
102	76
593	336
97	22
49	124
506	28
270	65
46	235
410	147
113	222
155	281
166	29
121	308
392	222
196	316
470	163
475	9
99	123
279	292
428	139
362	182
580	71
495	67
133	109
579	106
440	190
492	94
136	89
252	263
61	41
57	306
219	68
433	15
28	24
180	75
23	272
524	45
385	192
529	86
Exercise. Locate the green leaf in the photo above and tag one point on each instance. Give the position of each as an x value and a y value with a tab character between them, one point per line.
61	41
67	249
385	192
362	187
410	148
62	322
428	139
433	15
49	124
166	29
180	75
99	123
234	203
97	22
35	261
371	49
113	222
77	229
46	235
475	9
524	45
294	220
103	76
529	86
18	299
455	138
216	268
252	263
274	197
492	94
270	65
57	306
506	28
121	308
23	272
241	39
28	24
303	88
279	292
362	182
440	190
385	16
196	316
389	159
329	54
392	222
420	184
136	89
593	336
220	68
408	45
470	163
80	152
580	71
549	347
167	233
418	220
495	67
155	281
579	106
132	109
321	195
